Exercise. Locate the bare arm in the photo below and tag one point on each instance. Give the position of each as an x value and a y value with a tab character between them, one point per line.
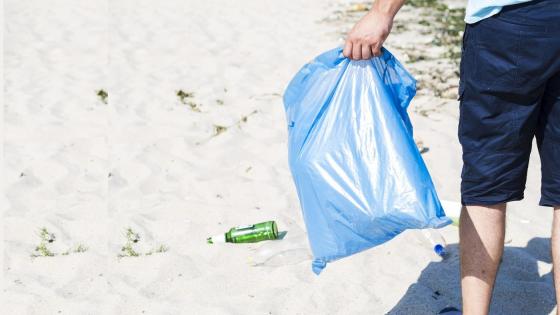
367	36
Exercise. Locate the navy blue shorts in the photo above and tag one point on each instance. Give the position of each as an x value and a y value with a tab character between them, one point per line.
509	92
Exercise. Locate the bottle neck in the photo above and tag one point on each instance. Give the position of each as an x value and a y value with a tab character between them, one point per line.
228	237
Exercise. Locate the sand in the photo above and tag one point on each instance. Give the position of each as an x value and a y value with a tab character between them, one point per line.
176	171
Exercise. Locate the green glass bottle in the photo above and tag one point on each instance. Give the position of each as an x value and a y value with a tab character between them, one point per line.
247	234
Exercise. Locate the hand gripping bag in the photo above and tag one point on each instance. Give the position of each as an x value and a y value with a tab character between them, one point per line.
359	176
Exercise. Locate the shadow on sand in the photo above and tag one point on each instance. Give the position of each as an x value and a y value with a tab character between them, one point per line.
519	287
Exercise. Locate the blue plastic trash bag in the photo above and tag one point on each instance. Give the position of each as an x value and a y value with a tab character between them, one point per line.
359	175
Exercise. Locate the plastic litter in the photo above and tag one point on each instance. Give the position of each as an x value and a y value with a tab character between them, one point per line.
436	242
284	258
359	175
266	257
452	210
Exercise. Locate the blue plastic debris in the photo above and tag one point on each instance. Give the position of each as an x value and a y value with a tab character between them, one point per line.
359	175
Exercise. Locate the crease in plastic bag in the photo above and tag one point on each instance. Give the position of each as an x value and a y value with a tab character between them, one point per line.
359	176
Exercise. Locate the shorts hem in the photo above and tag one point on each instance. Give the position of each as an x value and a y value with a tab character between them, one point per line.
549	203
486	202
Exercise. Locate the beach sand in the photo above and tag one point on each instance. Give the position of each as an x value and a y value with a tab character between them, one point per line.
176	170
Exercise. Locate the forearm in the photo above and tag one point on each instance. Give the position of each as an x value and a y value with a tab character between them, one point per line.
387	7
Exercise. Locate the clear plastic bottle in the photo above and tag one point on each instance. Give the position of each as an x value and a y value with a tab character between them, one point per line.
284	257
436	241
290	251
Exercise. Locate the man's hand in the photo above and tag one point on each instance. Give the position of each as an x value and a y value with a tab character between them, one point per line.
368	35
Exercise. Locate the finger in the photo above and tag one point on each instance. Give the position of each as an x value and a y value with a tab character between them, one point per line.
347	52
366	52
356	51
376	51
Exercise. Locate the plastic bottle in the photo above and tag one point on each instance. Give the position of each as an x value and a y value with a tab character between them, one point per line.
452	210
290	256
292	250
247	234
436	241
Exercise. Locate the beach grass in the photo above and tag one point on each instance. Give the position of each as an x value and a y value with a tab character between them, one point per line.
103	96
129	248
47	238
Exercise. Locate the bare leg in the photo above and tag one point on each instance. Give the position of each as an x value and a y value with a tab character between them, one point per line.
481	233
556	252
